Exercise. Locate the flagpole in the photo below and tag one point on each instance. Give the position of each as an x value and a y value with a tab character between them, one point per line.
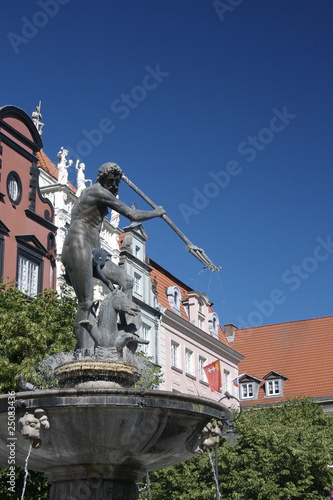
218	496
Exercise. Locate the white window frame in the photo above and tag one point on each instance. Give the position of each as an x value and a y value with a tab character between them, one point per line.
247	390
273	387
188	361
137	283
145	334
226	380
28	276
174	351
202	373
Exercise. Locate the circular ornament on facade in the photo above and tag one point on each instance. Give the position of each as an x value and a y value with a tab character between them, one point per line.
14	188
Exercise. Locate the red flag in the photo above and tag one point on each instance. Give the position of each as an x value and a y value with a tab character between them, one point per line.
213	374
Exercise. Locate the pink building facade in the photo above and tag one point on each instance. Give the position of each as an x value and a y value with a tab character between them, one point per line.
191	337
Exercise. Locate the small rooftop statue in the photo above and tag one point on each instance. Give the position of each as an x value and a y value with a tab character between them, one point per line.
80	178
63	166
37	117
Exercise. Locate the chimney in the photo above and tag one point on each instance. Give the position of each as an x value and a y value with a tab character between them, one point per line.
229	331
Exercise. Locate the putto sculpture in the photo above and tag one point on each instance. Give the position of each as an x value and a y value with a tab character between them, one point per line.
30	424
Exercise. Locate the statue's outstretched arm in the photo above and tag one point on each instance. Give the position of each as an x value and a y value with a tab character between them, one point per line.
130	213
193	249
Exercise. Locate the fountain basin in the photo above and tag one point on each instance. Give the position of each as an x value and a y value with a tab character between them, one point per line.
108	435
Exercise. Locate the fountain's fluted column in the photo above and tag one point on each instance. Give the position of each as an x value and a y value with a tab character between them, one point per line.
106	490
89	483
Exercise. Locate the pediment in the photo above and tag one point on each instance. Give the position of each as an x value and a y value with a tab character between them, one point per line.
30	240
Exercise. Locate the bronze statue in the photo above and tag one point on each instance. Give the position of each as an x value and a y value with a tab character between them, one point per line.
84	260
83	239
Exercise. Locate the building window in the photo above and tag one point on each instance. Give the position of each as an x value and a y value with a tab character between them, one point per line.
202	373
27	276
14	188
137	284
247	391
186	307
200	323
273	387
29	271
274	384
174	298
145	334
189	361
200	307
213	324
175	354
226	379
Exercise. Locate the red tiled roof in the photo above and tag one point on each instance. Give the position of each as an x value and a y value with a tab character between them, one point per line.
46	164
164	280
299	350
121	237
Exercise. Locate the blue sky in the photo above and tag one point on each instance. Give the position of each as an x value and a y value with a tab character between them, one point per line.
219	111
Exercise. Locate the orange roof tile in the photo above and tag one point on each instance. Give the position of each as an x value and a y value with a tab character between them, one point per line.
299	350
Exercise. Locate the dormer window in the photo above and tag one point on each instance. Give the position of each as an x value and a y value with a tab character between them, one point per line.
248	387
274	384
213	324
273	388
247	391
174	298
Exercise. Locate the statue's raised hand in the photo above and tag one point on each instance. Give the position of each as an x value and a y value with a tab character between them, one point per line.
159	211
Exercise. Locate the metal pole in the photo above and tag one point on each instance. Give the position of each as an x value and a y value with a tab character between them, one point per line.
193	249
218	496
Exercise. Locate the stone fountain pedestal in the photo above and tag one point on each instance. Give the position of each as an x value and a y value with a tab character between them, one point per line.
102	442
94	373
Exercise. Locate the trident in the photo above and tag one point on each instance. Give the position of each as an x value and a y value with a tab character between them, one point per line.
193	249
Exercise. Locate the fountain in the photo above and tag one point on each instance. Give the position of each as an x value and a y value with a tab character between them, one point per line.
96	436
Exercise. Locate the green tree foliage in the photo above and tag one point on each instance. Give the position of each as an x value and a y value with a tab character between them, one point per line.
151	375
282	455
31	330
